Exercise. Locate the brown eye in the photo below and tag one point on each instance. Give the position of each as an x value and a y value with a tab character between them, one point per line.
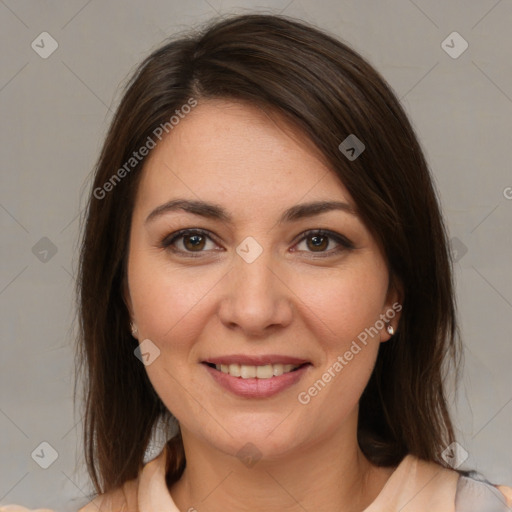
194	242
318	242
189	242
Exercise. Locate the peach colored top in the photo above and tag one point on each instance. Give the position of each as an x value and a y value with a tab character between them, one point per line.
414	486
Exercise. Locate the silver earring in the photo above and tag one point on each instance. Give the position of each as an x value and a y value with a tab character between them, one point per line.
390	329
134	329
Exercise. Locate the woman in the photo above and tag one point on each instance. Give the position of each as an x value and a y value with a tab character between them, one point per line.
265	265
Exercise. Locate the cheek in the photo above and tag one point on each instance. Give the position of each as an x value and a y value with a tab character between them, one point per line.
341	313
169	305
342	303
168	302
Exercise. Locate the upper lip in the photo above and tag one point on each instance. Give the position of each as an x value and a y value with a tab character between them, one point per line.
255	360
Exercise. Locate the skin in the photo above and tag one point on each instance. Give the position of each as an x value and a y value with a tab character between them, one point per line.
291	300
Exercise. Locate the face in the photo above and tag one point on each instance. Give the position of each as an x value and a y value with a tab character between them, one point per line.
256	273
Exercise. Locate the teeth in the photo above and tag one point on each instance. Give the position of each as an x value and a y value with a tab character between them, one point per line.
260	372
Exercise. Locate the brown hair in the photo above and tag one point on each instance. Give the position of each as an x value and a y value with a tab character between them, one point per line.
328	91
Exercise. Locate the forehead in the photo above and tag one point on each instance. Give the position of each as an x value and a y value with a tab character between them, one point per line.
237	154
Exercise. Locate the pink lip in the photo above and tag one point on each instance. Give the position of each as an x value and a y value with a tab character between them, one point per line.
255	360
257	388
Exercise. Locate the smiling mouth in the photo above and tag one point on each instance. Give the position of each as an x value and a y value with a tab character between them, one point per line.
267	371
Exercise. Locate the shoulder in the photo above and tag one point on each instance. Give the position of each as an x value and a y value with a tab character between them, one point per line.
423	485
135	494
418	485
475	493
507	492
123	499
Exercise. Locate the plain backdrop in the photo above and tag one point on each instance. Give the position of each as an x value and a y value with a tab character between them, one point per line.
54	116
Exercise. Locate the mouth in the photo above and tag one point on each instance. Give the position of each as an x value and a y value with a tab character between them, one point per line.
256	382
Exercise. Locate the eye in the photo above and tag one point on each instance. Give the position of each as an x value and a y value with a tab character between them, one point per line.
188	242
193	242
318	240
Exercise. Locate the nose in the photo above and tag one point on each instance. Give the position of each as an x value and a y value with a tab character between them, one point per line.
256	298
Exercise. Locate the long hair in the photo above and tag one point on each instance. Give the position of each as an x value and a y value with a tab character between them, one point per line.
327	90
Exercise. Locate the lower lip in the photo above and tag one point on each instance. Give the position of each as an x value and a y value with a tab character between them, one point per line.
257	388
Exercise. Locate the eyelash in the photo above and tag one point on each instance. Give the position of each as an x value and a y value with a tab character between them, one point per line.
344	243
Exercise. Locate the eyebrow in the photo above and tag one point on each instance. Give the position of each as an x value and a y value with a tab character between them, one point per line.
216	212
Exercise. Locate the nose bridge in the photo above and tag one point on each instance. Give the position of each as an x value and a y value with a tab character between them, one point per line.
255	277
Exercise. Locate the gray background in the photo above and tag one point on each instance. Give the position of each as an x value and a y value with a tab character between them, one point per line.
54	115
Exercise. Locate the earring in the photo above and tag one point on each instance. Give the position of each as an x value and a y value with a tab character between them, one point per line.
134	329
390	329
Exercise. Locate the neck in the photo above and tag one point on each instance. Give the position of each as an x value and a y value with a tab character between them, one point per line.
330	474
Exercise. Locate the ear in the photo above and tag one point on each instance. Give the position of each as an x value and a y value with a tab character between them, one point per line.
392	308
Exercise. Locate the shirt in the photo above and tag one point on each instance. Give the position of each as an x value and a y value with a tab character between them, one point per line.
414	486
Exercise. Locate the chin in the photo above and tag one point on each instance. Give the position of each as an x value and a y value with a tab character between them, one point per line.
251	446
